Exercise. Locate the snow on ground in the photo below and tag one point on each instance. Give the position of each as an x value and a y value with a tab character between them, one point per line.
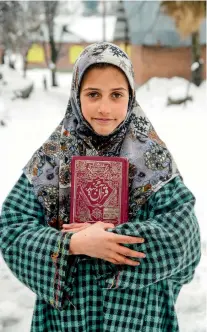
182	128
12	81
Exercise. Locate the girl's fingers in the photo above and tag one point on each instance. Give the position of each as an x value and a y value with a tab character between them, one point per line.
128	252
70	230
75	229
124	260
125	238
75	225
72	225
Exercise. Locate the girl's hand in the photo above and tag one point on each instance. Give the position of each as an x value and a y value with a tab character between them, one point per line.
95	241
75	227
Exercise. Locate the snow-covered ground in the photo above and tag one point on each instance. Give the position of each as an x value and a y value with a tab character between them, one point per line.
184	129
11	82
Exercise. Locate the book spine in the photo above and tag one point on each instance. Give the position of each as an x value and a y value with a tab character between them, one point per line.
72	214
125	193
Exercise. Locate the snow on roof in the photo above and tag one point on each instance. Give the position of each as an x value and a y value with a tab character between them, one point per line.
91	28
80	29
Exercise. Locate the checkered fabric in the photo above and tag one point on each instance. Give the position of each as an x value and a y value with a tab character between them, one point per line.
84	294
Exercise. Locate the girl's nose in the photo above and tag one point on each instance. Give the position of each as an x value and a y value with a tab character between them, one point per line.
104	107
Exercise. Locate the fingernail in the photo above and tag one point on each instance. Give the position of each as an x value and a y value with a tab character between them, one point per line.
142	240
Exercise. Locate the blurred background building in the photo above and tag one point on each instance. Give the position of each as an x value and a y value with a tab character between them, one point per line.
147	33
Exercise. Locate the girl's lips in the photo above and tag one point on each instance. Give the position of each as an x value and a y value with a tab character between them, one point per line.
103	120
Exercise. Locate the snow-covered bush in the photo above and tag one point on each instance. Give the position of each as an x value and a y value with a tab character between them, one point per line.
13	85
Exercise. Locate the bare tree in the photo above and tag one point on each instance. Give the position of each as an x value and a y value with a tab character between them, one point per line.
188	16
30	28
19	26
51	11
10	12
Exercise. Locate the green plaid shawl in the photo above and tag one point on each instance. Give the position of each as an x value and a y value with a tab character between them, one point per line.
88	294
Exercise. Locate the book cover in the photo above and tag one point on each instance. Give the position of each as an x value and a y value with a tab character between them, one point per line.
99	189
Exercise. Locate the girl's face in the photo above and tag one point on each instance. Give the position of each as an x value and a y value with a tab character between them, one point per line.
104	97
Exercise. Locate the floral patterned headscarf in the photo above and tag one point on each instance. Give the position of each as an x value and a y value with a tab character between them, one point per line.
151	164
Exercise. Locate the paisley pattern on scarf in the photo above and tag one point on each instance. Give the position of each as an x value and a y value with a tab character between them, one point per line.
151	164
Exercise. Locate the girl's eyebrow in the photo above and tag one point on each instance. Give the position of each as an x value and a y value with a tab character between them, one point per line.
100	89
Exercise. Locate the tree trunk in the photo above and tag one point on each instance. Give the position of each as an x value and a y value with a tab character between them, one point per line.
3	57
196	57
25	62
54	81
54	55
11	63
25	67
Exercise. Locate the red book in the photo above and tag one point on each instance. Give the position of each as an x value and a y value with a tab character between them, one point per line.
99	189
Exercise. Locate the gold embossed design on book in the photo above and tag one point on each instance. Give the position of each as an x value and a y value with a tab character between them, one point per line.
99	189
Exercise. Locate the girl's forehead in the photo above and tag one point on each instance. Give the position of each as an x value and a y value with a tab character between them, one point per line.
103	53
97	71
110	75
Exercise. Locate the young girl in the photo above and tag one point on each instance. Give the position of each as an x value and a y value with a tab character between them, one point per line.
100	277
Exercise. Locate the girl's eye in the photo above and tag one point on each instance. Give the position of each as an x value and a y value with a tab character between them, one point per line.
93	94
116	95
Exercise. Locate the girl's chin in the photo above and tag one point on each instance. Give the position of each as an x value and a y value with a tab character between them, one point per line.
103	131
104	134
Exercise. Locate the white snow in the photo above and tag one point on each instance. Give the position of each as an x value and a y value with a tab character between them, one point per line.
182	128
12	81
79	29
94	24
194	66
179	92
3	110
